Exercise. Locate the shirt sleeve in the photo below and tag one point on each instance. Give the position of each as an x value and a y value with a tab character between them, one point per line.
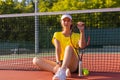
55	36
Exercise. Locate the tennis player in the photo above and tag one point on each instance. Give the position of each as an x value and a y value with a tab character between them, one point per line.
66	57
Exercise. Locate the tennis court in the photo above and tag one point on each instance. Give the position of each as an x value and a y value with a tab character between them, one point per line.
101	58
99	65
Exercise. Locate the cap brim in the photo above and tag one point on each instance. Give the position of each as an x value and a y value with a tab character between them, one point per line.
66	16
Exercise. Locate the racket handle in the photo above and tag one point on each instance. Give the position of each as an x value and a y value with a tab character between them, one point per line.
80	69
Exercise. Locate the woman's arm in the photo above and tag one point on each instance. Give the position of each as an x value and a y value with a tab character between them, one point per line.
82	41
57	51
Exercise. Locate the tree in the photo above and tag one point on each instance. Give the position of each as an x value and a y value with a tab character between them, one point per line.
6	7
13	6
63	5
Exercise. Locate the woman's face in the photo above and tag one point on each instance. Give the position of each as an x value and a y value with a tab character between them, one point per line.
66	23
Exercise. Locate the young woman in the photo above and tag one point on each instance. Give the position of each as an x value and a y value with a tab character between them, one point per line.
65	43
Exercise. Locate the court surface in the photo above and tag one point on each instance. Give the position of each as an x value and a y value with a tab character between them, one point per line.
44	75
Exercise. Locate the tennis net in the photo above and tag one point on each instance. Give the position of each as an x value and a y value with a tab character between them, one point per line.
17	38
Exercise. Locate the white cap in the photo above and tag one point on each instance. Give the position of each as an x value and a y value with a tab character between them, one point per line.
66	15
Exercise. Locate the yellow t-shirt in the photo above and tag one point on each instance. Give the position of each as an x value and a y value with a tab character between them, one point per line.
65	41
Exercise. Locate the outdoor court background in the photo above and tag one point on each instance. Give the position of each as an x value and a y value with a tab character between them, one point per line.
103	66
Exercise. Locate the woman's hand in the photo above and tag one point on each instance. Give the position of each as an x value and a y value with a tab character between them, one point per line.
81	26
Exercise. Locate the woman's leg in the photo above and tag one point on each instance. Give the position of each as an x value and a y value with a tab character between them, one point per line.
70	59
44	64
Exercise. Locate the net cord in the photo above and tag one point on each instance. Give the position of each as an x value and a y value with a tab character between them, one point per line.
62	12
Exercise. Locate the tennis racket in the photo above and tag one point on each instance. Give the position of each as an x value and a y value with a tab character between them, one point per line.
80	58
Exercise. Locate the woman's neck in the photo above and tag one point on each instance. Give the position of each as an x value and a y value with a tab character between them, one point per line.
66	33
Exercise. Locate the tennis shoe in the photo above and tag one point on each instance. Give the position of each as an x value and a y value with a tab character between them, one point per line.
60	74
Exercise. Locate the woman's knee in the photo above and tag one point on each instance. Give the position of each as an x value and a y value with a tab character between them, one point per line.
35	60
69	48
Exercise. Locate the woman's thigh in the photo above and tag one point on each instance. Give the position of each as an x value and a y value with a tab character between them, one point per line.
73	63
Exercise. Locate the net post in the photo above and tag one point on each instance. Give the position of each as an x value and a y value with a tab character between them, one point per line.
36	28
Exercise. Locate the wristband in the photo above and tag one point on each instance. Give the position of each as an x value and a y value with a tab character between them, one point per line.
58	63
